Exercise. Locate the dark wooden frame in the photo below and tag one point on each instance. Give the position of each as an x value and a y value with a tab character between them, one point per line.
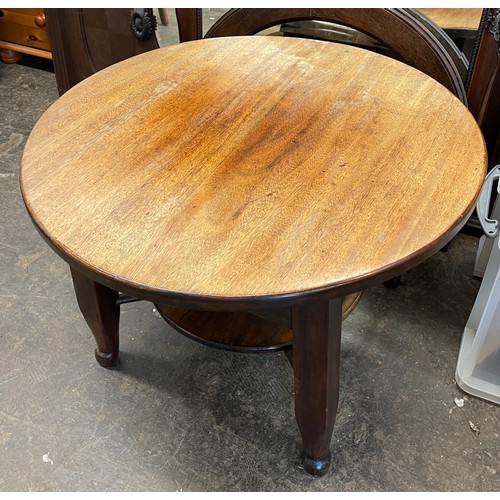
483	86
84	41
404	31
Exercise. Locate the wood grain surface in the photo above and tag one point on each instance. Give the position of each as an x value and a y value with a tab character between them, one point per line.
245	331
249	169
455	18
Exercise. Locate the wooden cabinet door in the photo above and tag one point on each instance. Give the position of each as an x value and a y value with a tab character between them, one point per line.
84	41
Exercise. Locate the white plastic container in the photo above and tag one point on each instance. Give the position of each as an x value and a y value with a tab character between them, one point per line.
478	366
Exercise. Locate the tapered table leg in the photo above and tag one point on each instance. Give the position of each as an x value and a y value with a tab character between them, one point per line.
101	312
316	359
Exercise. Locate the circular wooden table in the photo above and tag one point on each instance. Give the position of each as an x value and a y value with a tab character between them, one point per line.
262	174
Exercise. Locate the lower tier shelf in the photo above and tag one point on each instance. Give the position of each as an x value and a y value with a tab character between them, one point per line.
242	331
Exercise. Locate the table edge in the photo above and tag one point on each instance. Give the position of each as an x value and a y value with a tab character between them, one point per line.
241	303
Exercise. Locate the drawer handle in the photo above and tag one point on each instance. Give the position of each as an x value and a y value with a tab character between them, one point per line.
40	20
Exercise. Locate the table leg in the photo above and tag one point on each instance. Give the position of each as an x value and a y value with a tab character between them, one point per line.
102	313
316	358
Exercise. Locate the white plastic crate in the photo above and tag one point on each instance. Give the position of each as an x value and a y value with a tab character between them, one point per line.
478	366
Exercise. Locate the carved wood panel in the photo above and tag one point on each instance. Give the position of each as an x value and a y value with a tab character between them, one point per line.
85	41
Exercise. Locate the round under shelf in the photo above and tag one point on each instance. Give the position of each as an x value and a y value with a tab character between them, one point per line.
241	331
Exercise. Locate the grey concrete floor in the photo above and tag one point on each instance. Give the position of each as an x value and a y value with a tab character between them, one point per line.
177	415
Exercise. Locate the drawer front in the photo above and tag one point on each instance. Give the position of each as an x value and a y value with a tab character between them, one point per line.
24	27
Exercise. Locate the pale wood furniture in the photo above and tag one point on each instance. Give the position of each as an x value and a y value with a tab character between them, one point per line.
163	13
455	20
23	31
199	177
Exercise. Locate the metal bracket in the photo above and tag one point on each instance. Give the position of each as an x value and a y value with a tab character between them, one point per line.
125	299
491	227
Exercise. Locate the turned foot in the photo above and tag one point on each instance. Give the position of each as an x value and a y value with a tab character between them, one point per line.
10	56
106	359
100	310
317	466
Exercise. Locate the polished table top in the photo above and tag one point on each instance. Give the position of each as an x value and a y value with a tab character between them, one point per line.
249	169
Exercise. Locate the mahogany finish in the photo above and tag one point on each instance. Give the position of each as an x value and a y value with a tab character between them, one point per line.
98	306
407	35
245	331
252	173
316	354
484	88
232	139
461	25
189	22
84	41
400	30
234	331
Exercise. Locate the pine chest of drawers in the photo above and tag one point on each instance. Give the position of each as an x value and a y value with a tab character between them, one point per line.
23	31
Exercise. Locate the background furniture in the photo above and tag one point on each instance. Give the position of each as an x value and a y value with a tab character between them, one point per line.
85	41
399	30
461	25
23	31
483	87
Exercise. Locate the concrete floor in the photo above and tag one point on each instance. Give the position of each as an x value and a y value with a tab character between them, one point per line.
177	415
